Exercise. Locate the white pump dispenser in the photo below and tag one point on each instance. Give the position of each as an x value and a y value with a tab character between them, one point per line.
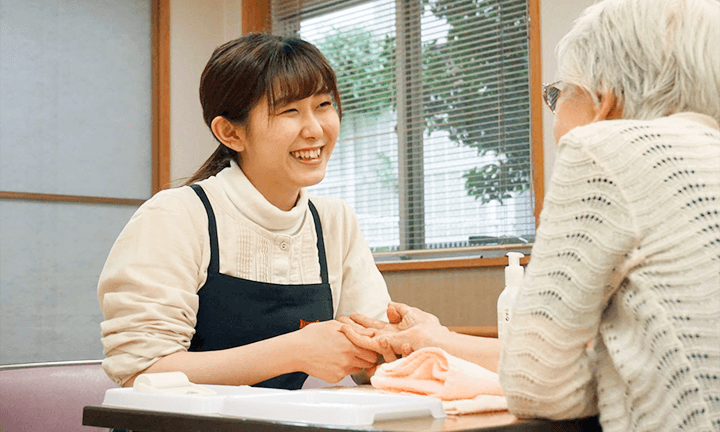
513	279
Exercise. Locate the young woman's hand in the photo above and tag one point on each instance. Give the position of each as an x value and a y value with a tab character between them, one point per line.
326	353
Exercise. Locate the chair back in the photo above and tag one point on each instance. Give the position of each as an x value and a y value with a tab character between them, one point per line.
50	396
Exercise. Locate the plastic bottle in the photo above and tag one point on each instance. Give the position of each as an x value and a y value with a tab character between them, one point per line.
513	279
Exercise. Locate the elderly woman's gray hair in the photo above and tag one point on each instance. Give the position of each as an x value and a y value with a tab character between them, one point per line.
658	57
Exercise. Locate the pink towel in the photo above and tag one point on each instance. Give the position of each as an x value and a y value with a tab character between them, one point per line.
434	372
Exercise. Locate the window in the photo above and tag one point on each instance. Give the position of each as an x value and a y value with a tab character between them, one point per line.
435	146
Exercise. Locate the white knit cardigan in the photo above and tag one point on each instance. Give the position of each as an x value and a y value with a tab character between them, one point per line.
619	312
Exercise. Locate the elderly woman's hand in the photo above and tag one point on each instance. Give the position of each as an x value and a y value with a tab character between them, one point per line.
407	316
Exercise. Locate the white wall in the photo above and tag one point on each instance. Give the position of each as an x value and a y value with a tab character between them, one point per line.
197	27
75	109
556	17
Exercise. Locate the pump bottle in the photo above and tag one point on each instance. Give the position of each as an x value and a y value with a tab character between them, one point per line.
513	279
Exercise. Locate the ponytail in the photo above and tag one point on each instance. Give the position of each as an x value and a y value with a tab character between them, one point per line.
218	161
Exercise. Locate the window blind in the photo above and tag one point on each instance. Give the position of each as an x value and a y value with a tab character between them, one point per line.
434	148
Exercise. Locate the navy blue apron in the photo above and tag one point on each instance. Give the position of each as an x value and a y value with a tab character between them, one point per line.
234	311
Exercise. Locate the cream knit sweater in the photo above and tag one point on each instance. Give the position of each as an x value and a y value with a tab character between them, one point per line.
627	260
148	287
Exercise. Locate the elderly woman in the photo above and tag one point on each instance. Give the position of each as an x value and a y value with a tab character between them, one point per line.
627	255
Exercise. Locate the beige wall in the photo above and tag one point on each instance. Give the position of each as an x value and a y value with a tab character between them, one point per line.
461	297
458	297
196	28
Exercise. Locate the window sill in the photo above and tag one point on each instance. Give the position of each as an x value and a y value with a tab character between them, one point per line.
450	258
480	331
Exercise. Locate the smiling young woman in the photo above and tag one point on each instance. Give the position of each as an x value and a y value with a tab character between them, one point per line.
220	278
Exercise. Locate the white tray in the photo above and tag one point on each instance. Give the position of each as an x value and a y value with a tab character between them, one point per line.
331	407
187	404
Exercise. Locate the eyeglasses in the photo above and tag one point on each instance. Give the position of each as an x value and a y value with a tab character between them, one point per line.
551	93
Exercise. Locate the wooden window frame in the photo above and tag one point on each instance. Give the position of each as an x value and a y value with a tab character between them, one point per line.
160	95
256	18
160	52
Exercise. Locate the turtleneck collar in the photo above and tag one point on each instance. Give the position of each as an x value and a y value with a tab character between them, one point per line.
247	200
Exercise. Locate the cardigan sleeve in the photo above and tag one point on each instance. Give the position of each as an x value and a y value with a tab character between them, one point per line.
147	289
585	236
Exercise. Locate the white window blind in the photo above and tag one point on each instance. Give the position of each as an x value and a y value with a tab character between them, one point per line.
434	149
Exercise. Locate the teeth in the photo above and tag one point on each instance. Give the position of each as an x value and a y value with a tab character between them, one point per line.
307	154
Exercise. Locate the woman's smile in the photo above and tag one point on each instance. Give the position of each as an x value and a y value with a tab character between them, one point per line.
308	155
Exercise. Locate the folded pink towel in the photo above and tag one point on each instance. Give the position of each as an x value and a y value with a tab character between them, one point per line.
434	372
478	404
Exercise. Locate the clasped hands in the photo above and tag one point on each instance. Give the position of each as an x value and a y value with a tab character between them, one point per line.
355	345
409	329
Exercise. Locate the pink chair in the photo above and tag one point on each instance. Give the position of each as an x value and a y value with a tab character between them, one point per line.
41	397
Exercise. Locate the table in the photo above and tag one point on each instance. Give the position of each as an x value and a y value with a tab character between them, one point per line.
154	421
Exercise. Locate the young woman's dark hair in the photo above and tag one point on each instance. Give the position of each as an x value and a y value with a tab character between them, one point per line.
242	72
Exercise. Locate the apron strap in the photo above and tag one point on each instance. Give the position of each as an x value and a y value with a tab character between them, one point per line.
320	244
214	266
